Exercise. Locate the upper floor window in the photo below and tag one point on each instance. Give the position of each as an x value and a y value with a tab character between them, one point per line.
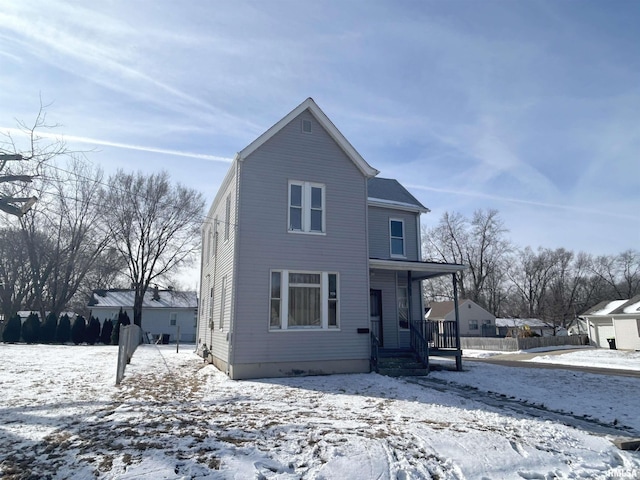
396	231
306	207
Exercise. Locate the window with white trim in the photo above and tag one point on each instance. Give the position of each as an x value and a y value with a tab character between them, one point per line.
173	319
214	237
304	300
396	234
306	207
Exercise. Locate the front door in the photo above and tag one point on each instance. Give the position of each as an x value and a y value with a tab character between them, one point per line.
375	306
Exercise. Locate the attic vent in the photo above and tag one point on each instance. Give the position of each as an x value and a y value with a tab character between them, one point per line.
306	126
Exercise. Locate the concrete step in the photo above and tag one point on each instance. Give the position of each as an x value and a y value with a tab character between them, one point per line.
401	364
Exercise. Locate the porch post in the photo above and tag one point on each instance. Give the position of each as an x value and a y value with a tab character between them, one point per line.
457	313
409	295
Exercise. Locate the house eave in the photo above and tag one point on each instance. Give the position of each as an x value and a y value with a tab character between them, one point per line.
378	202
419	270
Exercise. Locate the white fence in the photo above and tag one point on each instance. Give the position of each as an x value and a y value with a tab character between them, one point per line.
513	344
130	336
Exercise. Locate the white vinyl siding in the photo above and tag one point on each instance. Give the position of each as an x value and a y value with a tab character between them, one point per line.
304	300
306	207
223	301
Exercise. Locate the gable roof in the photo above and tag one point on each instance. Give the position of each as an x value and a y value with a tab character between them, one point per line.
366	169
522	322
389	192
439	310
116	298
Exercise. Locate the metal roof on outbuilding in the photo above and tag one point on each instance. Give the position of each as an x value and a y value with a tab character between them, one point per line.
124	298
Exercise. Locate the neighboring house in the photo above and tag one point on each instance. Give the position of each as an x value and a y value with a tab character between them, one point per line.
519	327
618	320
474	320
163	311
310	264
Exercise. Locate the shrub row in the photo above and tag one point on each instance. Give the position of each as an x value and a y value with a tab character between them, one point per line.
53	330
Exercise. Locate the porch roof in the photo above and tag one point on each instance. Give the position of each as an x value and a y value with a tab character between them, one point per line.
419	270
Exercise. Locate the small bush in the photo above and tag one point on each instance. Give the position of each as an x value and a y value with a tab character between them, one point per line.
78	330
11	332
63	332
107	329
48	328
31	328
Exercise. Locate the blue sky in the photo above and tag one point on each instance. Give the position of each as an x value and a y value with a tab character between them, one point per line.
528	107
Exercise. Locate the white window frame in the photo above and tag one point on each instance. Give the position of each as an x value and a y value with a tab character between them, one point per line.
403	238
307	207
173	319
324	302
404	288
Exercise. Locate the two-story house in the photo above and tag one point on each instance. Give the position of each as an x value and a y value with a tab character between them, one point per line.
310	263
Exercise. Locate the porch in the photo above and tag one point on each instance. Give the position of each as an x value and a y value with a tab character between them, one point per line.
408	332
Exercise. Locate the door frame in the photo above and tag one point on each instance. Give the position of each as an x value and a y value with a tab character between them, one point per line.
377	293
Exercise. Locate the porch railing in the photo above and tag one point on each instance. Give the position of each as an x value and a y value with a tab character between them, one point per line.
442	335
419	341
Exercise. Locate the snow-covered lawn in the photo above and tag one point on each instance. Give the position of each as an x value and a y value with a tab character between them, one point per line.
174	417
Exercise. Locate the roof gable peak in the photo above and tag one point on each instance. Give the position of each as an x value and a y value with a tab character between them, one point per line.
325	122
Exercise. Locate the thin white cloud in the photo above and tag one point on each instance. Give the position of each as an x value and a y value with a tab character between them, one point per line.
127	146
79	44
470	193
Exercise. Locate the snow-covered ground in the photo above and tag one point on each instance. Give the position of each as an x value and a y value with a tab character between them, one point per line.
174	417
602	358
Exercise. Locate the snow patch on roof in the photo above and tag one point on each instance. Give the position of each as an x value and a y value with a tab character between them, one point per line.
633	308
610	307
124	298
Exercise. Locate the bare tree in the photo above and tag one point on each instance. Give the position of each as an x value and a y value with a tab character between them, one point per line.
620	273
479	243
63	235
154	225
15	272
22	160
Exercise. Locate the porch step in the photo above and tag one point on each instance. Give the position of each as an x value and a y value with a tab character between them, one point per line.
400	364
